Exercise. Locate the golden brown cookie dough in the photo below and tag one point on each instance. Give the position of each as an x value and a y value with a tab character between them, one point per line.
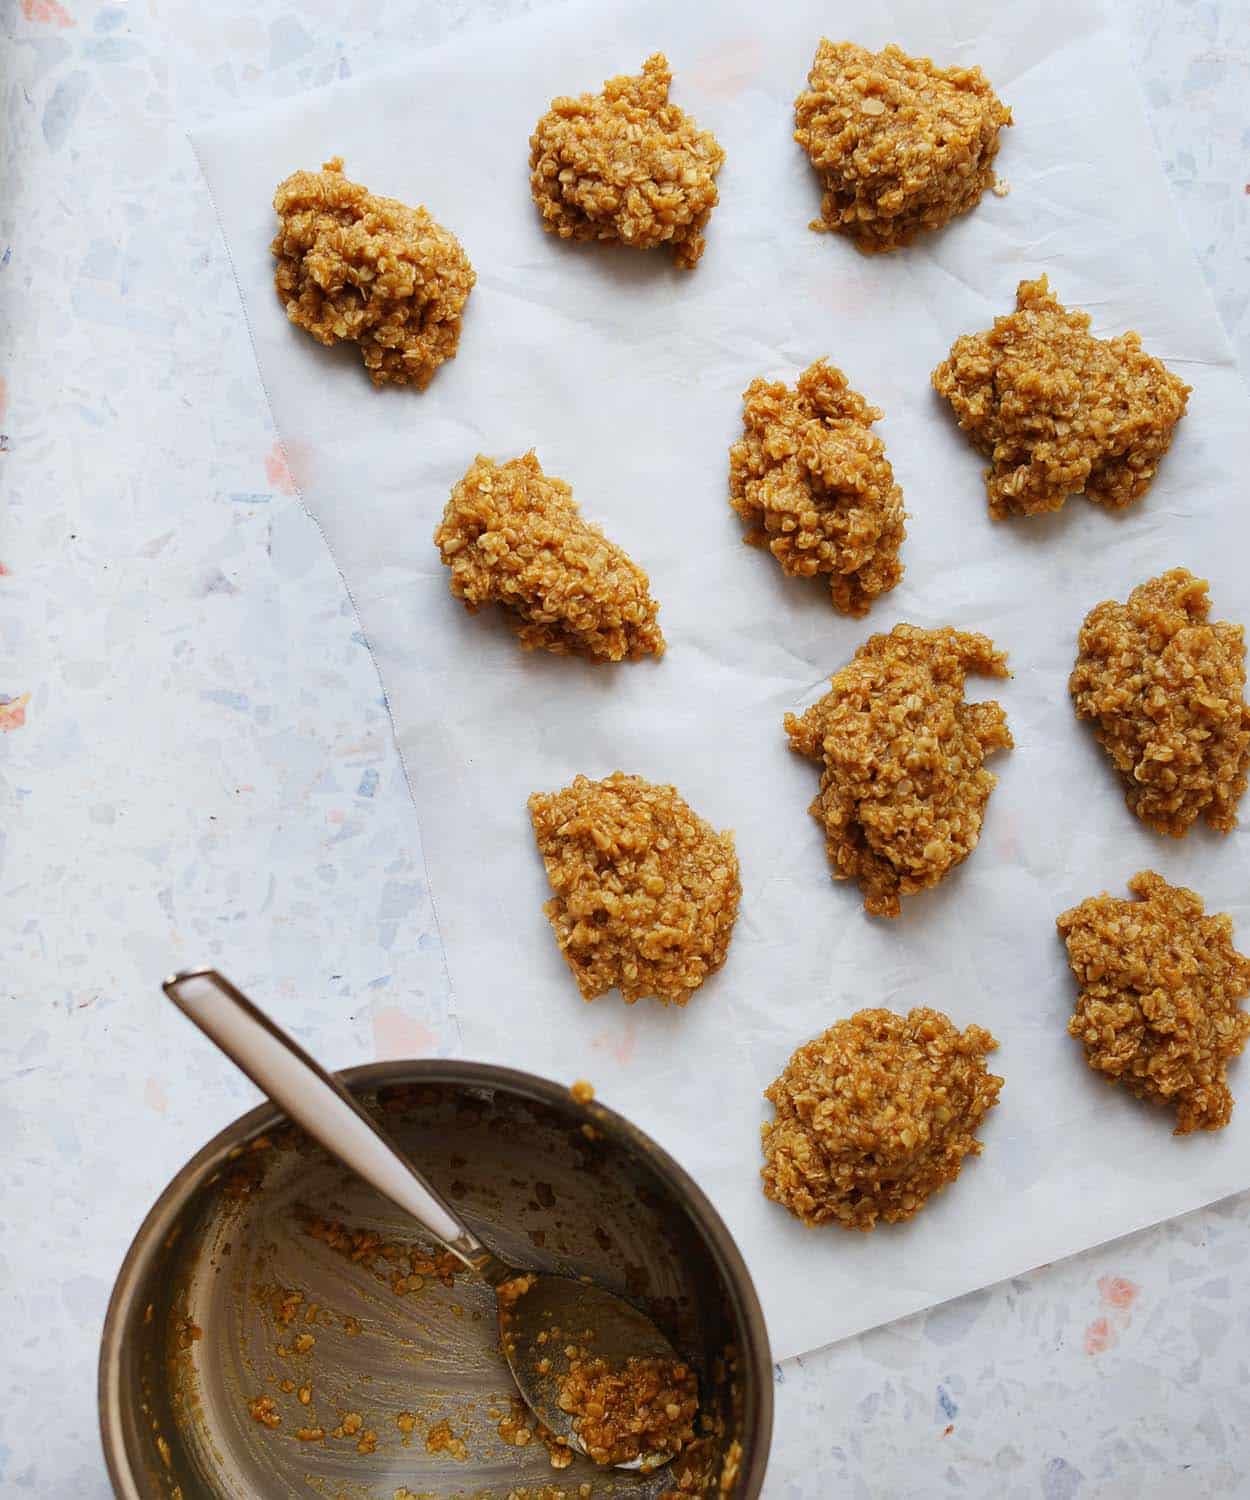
900	145
646	891
1058	412
354	266
1165	689
645	1407
514	536
1159	989
903	786
875	1115
811	480
626	165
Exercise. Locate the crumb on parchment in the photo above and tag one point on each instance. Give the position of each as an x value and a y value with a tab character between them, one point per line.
876	1115
626	165
903	785
811	480
515	536
645	891
353	266
1160	985
1057	411
900	145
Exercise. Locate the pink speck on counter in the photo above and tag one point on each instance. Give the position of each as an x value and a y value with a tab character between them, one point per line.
397	1034
50	12
1118	1291
154	1096
12	712
278	470
1099	1337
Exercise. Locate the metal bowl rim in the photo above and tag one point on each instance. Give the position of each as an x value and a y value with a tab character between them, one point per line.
757	1416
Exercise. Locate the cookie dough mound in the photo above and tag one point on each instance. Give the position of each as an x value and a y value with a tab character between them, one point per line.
353	266
626	165
1165	689
900	145
1159	989
643	1407
1058	412
514	536
646	891
875	1116
903	786
811	480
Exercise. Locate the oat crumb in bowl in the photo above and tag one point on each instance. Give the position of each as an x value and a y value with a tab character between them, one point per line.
263	1410
626	165
811	480
441	1439
1160	985
644	1407
900	145
903	784
876	1115
515	536
1164	686
582	1092
1057	411
356	267
645	891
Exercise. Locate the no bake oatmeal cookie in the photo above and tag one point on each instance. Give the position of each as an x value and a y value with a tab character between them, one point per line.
875	1116
903	785
811	480
626	165
514	536
1057	411
900	145
1165	688
645	891
354	266
1158	1007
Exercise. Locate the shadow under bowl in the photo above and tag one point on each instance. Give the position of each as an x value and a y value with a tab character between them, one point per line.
280	1329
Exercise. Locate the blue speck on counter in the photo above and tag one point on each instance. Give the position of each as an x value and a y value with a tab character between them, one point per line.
1060	1481
227	698
7	256
62	108
946	1406
368	783
359	637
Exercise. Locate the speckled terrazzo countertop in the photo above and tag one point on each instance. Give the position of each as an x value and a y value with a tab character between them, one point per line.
195	764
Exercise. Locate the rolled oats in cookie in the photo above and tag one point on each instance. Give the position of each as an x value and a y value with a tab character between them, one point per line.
900	145
903	784
1057	411
1164	686
1160	985
811	480
352	266
875	1116
626	165
514	536
645	892
643	1408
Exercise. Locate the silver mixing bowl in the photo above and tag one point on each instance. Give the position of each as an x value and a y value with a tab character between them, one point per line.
206	1341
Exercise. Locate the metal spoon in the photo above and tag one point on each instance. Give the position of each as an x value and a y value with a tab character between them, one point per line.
531	1304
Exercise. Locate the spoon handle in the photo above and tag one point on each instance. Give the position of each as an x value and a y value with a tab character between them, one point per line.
319	1103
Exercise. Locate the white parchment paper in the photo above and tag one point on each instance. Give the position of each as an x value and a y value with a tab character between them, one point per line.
626	375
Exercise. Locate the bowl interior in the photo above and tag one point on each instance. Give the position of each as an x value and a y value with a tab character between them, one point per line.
280	1329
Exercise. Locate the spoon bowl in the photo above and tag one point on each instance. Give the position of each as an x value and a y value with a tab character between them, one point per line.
535	1311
